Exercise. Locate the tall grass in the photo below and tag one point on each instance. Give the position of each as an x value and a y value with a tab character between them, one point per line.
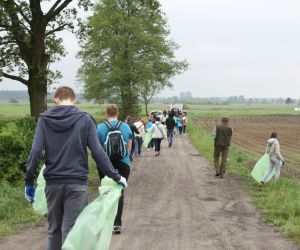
15	210
280	200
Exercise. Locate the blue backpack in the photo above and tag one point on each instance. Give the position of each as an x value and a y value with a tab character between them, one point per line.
115	145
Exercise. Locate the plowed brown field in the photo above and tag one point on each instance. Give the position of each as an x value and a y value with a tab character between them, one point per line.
251	133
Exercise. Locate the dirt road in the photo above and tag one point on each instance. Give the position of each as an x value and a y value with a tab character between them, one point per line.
175	203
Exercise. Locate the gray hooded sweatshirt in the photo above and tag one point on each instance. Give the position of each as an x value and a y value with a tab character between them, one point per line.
65	132
273	149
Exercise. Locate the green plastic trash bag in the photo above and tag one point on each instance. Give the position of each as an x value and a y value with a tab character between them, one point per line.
260	168
148	138
40	203
93	227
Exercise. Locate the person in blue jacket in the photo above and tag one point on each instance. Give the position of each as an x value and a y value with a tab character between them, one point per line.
64	132
123	165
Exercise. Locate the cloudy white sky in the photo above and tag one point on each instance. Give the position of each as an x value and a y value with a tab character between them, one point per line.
234	47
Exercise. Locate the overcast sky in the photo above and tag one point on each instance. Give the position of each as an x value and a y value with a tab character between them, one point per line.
234	47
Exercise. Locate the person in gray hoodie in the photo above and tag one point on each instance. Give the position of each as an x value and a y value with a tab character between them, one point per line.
276	159
64	133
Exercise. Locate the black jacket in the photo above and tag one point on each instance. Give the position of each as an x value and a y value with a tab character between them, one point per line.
170	122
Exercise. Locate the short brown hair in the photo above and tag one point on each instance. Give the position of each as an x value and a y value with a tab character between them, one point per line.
225	119
65	93
112	110
274	135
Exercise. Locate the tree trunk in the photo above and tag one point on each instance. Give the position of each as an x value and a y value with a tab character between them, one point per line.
146	107
37	90
38	62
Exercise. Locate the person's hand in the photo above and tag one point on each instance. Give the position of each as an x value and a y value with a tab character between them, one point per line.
123	182
29	193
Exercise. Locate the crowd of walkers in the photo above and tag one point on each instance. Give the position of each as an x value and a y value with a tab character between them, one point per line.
64	133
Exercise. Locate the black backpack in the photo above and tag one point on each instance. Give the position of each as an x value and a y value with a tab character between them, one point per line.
114	145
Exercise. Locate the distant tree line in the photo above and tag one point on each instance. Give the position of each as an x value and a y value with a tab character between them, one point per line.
22	95
187	97
183	97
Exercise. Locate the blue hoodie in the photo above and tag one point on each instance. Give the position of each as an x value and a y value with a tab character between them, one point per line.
65	132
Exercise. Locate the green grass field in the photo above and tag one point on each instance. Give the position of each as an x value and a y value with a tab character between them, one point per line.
21	109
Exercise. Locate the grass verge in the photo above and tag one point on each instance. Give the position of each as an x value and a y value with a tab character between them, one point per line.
280	200
16	213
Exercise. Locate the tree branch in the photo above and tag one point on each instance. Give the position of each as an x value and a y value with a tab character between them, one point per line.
16	27
59	28
56	11
13	77
7	40
53	7
22	13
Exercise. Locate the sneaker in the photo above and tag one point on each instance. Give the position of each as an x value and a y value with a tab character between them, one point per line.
157	154
117	230
261	183
217	174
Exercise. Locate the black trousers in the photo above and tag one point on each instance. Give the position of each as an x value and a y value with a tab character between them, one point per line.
124	171
157	143
180	130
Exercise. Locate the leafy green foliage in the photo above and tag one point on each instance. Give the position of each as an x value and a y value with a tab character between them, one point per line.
29	43
126	53
15	145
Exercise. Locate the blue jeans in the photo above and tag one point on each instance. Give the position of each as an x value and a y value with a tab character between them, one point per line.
138	145
277	164
170	134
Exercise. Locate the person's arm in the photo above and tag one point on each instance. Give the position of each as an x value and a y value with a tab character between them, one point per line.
129	145
130	138
214	133
143	132
164	132
231	131
35	154
268	148
277	151
102	161
135	130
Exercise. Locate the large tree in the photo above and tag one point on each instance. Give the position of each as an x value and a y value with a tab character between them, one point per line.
28	43
126	53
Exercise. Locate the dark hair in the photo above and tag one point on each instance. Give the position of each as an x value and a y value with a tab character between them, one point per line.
225	119
274	135
65	93
129	119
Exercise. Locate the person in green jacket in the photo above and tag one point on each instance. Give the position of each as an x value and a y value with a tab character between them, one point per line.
222	138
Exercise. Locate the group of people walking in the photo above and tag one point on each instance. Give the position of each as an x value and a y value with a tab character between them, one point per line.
64	133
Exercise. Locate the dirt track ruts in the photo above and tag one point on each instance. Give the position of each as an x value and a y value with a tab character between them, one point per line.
175	202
